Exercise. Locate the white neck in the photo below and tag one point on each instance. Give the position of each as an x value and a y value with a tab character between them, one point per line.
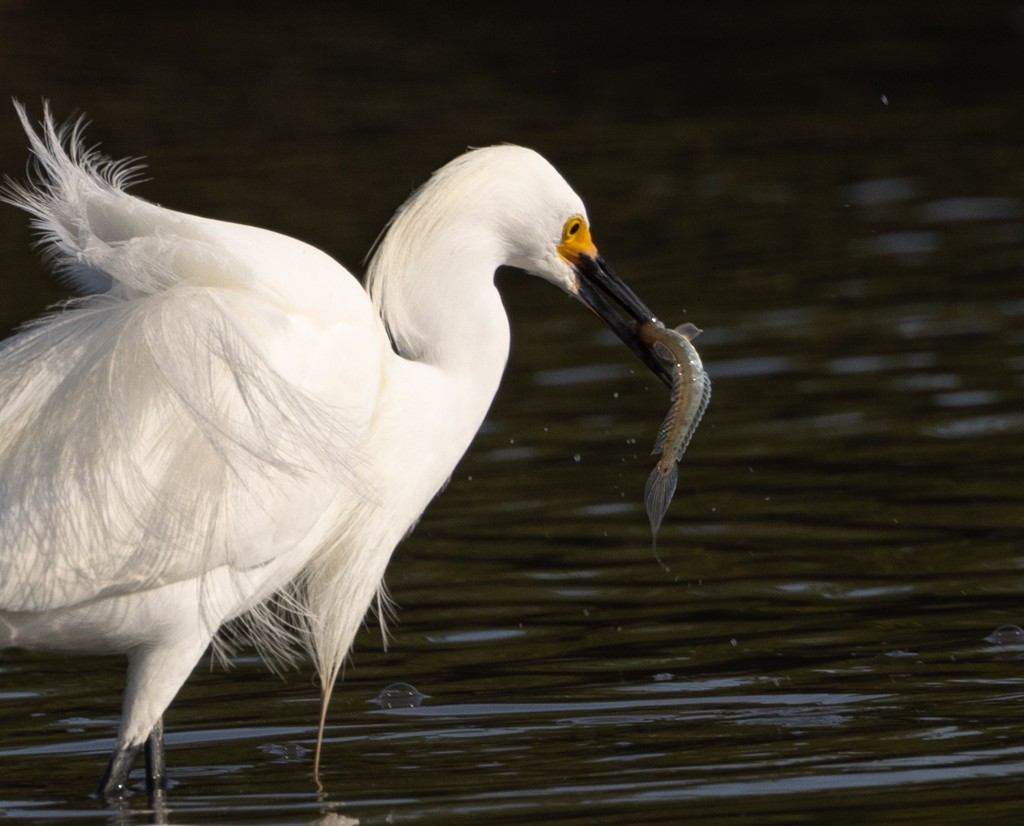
432	281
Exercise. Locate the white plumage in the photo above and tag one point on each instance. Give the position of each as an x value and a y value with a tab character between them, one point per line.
225	417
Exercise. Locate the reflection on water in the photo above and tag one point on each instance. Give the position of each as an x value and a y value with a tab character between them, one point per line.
838	635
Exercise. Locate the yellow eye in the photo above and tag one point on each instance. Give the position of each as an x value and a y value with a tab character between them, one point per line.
576	240
572	227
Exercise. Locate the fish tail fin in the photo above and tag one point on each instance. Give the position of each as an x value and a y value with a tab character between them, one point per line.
658	492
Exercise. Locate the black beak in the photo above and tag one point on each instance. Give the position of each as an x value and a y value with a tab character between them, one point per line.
596	281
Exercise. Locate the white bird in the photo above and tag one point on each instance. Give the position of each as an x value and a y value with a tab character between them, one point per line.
225	425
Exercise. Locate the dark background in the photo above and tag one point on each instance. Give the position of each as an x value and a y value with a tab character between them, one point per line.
833	192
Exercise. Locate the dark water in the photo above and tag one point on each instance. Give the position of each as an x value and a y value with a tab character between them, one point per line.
834	194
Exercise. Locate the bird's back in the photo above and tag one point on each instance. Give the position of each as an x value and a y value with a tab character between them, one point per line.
187	411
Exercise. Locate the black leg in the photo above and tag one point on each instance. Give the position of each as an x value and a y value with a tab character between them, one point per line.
156	772
114	785
115	781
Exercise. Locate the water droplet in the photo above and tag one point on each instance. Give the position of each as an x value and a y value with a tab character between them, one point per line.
399	695
285	752
1006	635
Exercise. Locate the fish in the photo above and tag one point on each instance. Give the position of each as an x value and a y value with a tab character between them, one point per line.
691	392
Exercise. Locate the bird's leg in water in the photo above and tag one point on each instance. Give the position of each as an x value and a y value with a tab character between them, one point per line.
154	675
156	772
115	779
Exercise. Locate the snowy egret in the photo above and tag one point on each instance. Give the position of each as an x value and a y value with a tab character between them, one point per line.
225	425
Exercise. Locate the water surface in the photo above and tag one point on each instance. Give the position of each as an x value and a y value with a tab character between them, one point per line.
836	199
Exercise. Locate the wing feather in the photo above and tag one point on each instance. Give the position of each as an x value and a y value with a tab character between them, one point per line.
200	406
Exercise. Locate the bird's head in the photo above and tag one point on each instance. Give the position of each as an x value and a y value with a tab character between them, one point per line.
545	226
498	205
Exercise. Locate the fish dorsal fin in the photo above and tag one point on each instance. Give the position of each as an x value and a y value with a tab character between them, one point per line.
688	331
